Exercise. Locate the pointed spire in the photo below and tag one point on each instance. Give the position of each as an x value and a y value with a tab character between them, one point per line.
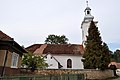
87	11
87	2
87	8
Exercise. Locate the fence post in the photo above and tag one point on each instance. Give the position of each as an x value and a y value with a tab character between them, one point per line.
68	75
50	76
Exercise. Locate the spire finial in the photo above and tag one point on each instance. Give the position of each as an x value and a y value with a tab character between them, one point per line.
87	2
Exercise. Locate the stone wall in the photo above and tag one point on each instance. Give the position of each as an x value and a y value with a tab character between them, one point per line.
98	74
88	73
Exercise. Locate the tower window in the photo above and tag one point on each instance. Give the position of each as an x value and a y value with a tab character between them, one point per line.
88	12
69	63
51	57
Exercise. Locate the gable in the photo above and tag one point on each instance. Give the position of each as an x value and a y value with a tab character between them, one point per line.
7	43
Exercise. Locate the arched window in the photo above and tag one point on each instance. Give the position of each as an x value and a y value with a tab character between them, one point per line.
69	63
88	12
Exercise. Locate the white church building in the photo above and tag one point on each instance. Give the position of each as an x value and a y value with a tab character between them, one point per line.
65	56
59	56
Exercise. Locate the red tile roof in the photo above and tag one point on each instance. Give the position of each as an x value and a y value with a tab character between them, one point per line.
71	49
33	47
40	50
7	42
4	36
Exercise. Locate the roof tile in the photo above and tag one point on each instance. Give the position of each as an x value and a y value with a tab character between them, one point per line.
71	49
4	36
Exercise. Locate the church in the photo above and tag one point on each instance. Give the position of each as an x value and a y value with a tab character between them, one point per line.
86	23
65	56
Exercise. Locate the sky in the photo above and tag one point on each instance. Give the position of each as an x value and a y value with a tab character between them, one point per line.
31	21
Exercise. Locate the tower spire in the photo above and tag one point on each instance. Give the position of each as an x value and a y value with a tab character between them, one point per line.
86	22
87	2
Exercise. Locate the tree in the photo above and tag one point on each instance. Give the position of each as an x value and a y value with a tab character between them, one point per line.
117	55
105	57
96	53
54	39
33	62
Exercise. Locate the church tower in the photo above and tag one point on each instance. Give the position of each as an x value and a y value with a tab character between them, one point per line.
86	23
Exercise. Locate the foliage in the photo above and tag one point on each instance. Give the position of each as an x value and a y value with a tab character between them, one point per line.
105	57
54	39
32	62
112	56
117	55
96	52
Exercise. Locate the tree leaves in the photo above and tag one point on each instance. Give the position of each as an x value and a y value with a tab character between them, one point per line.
96	53
117	55
54	39
33	62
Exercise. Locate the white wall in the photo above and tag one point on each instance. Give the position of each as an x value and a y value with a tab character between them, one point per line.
52	63
85	27
76	61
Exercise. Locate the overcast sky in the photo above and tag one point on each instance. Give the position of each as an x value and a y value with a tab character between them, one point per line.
31	21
